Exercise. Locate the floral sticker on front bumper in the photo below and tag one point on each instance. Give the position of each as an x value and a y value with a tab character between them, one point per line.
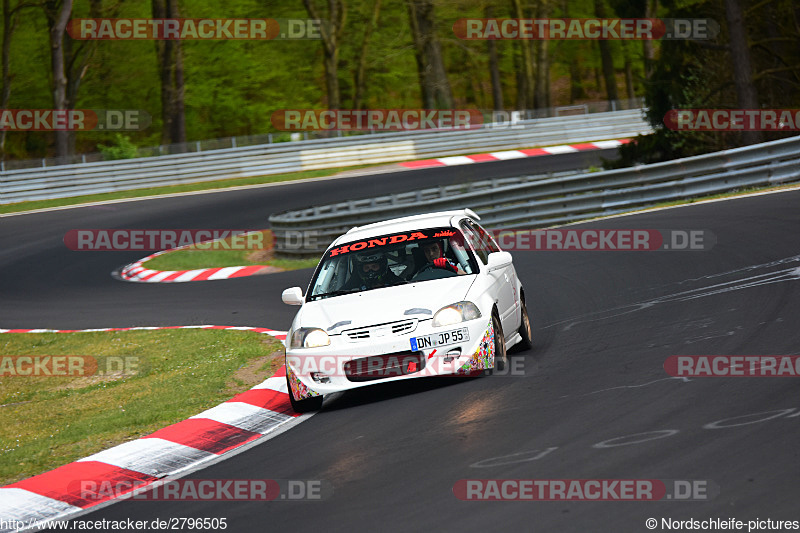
483	357
299	390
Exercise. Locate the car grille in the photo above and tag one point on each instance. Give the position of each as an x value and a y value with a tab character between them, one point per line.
381	330
384	366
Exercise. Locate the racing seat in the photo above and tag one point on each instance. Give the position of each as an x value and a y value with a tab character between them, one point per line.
418	262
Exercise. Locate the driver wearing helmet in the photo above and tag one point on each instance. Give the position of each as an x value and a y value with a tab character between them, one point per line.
372	271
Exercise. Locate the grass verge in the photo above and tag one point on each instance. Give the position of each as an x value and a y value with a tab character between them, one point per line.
171	375
205	256
729	194
698	199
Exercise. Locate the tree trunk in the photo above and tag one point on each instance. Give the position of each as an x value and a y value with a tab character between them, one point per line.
494	68
9	22
527	61
331	36
166	74
648	54
606	58
179	108
435	87
77	57
629	76
783	89
360	76
170	62
522	89
576	89
58	14
598	80
742	71
541	90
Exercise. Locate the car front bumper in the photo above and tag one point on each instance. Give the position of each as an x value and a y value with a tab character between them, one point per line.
346	364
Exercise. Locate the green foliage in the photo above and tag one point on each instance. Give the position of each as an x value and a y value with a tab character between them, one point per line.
698	75
122	148
232	87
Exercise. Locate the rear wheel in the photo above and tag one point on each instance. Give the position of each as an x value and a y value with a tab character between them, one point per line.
305	405
525	329
500	358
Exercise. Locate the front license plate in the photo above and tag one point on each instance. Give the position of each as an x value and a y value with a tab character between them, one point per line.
439	339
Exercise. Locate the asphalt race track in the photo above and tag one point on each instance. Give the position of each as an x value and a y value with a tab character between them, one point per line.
604	323
45	284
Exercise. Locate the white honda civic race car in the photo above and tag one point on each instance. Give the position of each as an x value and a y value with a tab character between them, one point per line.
425	295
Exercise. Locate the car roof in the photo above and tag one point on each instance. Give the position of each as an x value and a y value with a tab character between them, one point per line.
396	225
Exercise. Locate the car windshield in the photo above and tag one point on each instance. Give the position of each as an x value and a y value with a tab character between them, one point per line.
393	259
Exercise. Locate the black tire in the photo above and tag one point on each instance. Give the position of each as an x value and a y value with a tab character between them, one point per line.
525	329
306	405
500	355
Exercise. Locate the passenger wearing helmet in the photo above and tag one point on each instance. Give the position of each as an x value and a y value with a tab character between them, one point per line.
372	271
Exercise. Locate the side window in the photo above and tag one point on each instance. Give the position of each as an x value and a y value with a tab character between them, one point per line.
486	237
473	238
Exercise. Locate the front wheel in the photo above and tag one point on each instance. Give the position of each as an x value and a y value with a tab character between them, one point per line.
525	329
305	405
500	358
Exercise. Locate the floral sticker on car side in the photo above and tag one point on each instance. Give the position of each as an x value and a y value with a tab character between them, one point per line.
483	357
299	390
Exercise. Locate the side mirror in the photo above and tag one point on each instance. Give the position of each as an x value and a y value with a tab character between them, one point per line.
293	296
498	260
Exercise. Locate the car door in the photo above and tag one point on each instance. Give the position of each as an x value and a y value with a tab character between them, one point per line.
504	284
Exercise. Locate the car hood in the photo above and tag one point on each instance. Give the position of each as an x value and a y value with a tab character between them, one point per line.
380	306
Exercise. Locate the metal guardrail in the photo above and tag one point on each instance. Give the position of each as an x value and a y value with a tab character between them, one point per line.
551	200
285	136
100	177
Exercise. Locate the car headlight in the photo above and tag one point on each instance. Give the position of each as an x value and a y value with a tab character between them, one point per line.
309	338
455	313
